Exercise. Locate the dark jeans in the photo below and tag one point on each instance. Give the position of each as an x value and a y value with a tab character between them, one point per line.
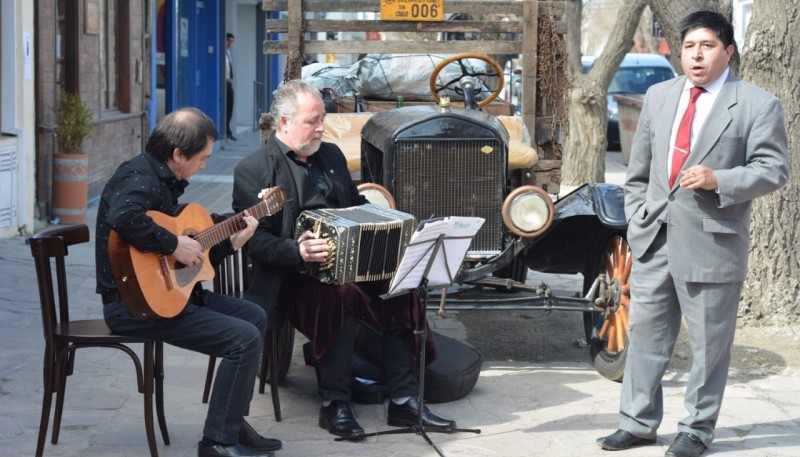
226	327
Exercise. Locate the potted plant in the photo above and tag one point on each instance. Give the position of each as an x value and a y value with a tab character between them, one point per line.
71	164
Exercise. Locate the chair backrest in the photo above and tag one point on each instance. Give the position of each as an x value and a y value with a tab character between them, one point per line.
232	275
49	250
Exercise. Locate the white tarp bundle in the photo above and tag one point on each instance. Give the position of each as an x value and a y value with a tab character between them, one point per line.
343	80
387	76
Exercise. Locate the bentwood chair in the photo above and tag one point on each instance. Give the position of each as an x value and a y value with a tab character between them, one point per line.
63	337
232	276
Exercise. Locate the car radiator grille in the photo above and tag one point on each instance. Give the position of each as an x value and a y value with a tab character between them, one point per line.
436	178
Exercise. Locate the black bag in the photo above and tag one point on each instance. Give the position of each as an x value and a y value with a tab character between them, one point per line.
451	376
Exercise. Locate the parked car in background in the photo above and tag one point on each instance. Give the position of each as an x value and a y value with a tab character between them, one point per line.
635	75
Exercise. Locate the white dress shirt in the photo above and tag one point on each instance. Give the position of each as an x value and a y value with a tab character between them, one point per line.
702	109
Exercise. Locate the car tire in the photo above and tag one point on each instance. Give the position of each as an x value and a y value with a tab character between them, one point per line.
607	347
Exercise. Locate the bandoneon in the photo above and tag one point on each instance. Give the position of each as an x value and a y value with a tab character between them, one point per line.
365	242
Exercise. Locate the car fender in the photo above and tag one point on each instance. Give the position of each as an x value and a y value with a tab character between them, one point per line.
582	219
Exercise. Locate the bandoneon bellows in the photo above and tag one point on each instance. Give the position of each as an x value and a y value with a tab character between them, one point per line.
365	242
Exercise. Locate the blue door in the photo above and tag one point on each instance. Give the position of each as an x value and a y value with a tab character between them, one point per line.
187	57
204	62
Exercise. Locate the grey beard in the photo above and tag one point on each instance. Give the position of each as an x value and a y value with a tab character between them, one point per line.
306	149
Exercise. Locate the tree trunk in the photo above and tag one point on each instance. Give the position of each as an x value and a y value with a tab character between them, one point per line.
584	157
771	61
670	13
644	32
573	16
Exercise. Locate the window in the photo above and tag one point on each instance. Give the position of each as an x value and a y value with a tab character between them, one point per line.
114	55
108	54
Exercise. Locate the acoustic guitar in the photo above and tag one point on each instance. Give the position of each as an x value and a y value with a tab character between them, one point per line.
156	285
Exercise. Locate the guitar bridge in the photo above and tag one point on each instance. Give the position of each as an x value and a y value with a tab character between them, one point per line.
164	265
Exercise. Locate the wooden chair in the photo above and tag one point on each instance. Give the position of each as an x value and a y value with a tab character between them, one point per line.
232	277
63	337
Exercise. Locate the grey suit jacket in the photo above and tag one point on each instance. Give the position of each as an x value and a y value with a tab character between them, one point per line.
744	141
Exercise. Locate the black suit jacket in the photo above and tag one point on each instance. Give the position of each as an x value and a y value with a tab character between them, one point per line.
273	247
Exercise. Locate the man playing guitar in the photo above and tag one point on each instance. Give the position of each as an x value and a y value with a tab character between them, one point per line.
211	324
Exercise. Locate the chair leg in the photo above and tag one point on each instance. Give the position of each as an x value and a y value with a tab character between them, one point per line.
262	375
159	379
273	375
62	370
212	362
47	401
148	397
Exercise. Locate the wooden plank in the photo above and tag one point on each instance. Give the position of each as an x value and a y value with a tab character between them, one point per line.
530	27
322	25
326	25
295	42
547	175
397	47
450	6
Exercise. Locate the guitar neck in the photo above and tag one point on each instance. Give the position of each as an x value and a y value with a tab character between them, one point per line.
219	232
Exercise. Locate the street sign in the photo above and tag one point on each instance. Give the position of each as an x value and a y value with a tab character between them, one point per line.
412	10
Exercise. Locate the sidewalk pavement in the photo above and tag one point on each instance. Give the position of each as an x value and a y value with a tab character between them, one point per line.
530	406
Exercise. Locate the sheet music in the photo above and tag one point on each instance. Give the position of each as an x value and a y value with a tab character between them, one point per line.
457	233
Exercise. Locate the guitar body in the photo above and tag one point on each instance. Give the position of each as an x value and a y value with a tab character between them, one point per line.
154	285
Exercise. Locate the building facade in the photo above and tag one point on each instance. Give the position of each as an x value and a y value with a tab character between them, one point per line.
129	61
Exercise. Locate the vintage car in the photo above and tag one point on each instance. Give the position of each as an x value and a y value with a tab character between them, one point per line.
436	160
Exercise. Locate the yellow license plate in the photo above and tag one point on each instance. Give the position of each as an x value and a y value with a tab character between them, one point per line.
412	10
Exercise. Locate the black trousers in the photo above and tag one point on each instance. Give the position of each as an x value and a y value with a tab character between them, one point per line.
335	366
229	107
227	328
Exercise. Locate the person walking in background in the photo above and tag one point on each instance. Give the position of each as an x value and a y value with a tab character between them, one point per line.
692	177
229	86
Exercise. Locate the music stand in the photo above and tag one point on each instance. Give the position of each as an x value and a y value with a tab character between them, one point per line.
433	255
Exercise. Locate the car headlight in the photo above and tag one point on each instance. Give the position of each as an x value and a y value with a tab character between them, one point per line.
528	211
377	195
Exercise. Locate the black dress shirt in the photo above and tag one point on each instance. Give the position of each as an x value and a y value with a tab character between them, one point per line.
314	186
140	185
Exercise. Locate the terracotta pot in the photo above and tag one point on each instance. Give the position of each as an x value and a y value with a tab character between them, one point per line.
70	187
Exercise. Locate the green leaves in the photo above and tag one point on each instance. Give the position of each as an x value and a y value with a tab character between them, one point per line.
73	122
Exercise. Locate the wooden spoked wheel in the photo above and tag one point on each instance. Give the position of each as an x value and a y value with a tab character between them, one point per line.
453	84
607	331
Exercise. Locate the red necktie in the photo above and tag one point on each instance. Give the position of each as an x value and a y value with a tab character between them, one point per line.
683	140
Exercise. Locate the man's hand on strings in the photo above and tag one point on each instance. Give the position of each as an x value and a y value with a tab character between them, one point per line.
189	252
241	237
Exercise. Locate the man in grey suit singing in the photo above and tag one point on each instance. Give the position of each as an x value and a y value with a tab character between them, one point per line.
706	145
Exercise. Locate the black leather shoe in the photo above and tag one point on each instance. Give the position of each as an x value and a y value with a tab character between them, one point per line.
250	438
231	137
405	415
337	418
621	440
686	445
206	449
